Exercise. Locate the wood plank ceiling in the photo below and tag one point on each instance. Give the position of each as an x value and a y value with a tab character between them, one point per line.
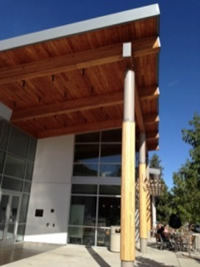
74	84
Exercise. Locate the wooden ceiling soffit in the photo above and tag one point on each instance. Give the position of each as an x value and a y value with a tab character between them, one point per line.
82	128
151	118
78	60
149	93
69	106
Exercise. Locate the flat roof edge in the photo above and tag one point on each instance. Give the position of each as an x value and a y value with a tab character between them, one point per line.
81	27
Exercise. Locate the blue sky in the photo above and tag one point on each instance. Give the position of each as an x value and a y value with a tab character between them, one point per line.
179	58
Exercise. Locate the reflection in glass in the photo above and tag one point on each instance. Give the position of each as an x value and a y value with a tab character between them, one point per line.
5	135
12	184
29	170
10	232
24	208
110	170
20	232
87	138
1	231
111	153
112	136
84	189
27	187
81	235
3	209
103	237
86	153
32	149
15	166
110	190
14	209
85	170
109	211
2	157
18	143
83	211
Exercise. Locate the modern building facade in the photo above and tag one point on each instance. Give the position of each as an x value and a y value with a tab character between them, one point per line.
68	90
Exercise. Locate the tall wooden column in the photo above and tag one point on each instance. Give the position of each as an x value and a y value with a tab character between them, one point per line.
127	251
148	204
142	193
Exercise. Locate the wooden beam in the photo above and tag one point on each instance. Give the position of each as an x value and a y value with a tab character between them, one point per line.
152	136
76	61
149	93
67	107
151	118
82	128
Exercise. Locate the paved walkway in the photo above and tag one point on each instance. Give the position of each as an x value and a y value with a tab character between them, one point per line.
80	256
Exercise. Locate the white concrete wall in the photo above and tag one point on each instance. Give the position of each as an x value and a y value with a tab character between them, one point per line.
51	189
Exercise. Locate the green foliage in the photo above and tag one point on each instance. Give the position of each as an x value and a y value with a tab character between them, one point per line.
186	190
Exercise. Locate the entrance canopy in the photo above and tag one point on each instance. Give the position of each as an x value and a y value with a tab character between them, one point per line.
70	79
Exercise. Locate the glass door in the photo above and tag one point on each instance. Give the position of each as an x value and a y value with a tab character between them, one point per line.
9	211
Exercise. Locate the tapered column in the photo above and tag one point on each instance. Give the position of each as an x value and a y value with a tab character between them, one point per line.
148	205
142	194
127	251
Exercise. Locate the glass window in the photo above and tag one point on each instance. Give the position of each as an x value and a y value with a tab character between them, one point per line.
32	148
84	189
110	170
83	211
86	153
27	187
109	211
24	208
111	153
2	157
85	170
15	166
29	170
4	135
12	184
81	235
112	136
103	237
18	143
20	232
88	138
110	190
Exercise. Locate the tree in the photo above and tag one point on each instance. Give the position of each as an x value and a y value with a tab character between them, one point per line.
163	202
186	188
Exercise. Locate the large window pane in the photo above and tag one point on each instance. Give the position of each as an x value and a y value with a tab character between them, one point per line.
20	232
32	149
2	157
103	237
27	187
85	170
110	190
15	166
83	211
84	189
4	136
12	184
110	170
109	211
18	143
111	153
86	153
29	170
24	208
112	136
87	138
81	235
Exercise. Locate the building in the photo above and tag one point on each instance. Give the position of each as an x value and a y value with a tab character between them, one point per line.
62	91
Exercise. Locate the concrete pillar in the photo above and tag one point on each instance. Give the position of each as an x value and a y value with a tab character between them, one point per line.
142	193
127	244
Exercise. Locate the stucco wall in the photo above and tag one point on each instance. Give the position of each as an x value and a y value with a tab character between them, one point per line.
50	190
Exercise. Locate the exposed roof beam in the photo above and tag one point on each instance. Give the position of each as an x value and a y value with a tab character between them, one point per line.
78	60
152	136
82	128
70	106
149	93
151	118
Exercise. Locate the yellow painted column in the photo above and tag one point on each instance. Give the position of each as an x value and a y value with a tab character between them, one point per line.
142	194
148	205
127	245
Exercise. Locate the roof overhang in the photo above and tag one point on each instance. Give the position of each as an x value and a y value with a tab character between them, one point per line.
70	79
